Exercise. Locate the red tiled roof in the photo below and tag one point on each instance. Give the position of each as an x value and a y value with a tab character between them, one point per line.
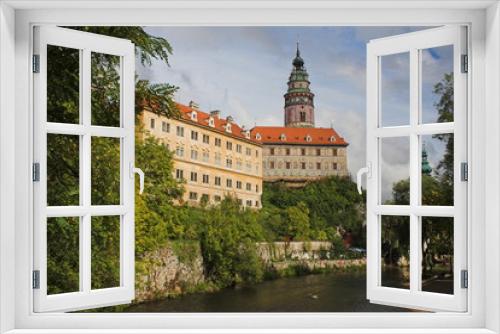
202	118
288	135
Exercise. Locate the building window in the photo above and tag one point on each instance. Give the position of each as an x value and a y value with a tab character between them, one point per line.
239	165
257	204
271	164
217	158
334	153
165	127
257	153
256	188
271	151
248	166
249	202
303	165
152	123
205	198
217	180
302	116
206	156
238	184
179	174
238	148
179	151
193	196
218	142
206	139
217	198
248	151
194	176
249	186
229	146
334	166
303	151
318	165
180	131
229	183
287	151
194	135
240	201
206	178
288	165
318	152
194	154
229	163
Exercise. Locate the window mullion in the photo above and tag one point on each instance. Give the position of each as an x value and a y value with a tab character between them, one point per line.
85	180
415	252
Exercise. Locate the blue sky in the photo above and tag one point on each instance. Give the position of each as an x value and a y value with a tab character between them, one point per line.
243	72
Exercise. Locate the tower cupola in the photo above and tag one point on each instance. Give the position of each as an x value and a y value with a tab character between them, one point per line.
299	100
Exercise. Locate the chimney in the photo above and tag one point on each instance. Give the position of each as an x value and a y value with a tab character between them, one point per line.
193	105
215	113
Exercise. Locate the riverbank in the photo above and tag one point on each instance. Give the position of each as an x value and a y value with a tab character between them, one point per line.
342	291
178	268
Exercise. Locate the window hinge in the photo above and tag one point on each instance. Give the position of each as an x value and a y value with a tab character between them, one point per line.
464	171
465	64
464	279
36	172
36	63
36	279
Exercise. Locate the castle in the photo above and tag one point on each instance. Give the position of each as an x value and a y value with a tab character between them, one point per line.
299	152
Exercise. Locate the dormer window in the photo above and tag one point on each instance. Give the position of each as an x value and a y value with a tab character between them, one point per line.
247	134
258	136
282	137
194	116
308	138
211	122
332	139
228	127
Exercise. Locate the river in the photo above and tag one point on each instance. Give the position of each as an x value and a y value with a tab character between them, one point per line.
333	292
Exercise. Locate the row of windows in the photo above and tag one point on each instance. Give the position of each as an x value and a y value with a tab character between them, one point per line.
179	174
205	138
193	196
303	151
302	165
179	151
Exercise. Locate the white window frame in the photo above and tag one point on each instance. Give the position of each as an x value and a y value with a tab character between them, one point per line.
86	44
412	43
16	20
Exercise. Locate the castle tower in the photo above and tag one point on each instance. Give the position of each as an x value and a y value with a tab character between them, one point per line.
426	167
299	100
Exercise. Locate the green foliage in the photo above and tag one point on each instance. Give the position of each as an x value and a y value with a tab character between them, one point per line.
332	204
228	236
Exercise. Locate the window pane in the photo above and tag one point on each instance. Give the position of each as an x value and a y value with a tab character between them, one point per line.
437	254
395	170
105	252
105	89
437	84
63	84
63	261
395	251
105	171
437	169
63	170
395	89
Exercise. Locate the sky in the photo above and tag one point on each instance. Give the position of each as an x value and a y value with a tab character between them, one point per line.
243	72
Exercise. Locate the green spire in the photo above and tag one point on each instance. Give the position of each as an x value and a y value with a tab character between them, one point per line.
426	167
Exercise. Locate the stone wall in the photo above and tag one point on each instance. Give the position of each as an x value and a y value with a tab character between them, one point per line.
311	255
172	270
